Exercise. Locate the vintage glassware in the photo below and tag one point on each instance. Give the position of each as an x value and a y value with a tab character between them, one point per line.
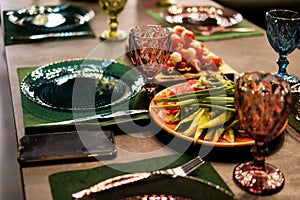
283	32
262	102
149	48
113	8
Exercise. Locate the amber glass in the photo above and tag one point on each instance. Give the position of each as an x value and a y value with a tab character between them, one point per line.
113	8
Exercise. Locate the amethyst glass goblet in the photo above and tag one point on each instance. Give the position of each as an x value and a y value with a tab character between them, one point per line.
149	48
262	103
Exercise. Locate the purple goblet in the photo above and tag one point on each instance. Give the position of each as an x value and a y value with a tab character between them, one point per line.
262	103
149	48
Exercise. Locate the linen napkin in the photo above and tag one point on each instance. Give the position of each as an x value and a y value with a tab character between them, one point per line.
11	29
34	115
63	184
216	36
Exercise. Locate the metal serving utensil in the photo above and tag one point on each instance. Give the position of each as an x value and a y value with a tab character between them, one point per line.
182	170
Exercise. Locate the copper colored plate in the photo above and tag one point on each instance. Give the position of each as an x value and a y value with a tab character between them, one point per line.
201	15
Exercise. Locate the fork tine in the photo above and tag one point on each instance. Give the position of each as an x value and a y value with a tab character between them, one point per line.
192	165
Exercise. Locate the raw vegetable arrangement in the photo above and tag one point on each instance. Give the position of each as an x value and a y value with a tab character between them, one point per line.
201	108
189	55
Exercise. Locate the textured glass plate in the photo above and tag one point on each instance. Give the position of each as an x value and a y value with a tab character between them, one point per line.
52	19
201	16
162	187
74	85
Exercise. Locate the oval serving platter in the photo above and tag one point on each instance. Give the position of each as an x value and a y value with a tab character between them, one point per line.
169	128
74	85
204	15
50	18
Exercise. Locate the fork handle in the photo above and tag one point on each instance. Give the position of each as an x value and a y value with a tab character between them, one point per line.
112	183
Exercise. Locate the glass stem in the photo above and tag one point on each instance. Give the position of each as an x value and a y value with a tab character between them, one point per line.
259	153
113	24
150	89
282	63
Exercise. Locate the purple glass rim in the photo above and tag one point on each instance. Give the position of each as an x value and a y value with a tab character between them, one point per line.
166	31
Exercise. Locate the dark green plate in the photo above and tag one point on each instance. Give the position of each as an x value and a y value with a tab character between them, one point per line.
163	187
81	85
53	18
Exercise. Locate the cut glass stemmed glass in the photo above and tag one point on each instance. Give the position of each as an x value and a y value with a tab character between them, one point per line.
262	102
283	33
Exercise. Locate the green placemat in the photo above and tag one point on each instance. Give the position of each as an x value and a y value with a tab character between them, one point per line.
11	29
63	184
216	36
295	124
34	115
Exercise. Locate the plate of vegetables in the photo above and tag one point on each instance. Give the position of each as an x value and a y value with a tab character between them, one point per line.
201	111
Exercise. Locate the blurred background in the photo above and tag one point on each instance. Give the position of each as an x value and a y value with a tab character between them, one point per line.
254	10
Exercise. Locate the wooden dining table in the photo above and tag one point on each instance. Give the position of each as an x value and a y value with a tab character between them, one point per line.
241	54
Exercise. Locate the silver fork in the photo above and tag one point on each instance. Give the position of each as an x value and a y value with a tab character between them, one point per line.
182	170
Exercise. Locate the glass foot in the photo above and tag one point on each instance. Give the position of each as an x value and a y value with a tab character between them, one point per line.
257	181
292	79
151	90
121	35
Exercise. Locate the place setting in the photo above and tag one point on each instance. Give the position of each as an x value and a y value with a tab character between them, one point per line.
47	22
86	184
85	95
208	22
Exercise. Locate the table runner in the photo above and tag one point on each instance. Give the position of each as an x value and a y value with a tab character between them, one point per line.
216	36
63	184
14	30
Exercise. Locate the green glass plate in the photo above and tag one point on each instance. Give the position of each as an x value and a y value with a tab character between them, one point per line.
81	85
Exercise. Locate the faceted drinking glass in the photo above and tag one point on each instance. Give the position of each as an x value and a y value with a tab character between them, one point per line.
149	48
113	8
262	102
283	32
